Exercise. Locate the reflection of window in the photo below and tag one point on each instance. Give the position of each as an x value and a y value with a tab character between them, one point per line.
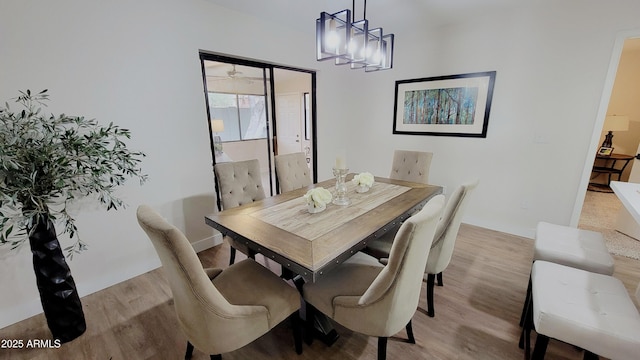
307	117
244	115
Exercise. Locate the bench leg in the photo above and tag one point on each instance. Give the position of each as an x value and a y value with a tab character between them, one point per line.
524	306
525	335
541	347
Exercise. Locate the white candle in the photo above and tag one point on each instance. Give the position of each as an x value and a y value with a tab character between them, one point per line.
340	163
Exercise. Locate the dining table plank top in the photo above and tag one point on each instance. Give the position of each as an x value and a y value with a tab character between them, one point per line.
281	228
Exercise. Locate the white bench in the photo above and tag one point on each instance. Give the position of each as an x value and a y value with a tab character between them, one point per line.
588	310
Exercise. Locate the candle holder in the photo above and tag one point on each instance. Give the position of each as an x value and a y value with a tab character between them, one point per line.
341	187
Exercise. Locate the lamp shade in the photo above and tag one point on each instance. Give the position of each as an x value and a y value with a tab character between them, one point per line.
616	123
217	125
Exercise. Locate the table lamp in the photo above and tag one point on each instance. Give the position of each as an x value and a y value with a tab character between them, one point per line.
217	126
614	123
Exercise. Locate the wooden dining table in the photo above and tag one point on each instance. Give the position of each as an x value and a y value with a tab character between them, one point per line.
310	245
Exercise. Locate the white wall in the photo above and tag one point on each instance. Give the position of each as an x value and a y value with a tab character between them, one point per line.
551	60
136	63
626	90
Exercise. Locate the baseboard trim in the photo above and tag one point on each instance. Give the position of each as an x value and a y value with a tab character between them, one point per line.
207	243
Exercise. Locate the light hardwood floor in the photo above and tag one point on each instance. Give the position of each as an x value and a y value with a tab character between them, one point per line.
477	313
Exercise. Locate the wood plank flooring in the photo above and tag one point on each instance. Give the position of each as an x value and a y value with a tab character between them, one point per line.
477	313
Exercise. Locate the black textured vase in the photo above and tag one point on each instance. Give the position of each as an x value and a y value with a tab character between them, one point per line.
58	294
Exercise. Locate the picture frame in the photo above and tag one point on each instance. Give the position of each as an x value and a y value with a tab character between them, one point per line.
451	105
605	151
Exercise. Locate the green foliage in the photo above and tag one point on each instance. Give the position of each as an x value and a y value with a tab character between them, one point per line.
47	161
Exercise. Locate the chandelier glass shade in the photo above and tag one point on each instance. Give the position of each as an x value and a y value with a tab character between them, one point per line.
349	42
333	33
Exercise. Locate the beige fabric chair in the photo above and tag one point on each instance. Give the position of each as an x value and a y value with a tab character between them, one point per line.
443	243
219	311
239	183
445	238
411	166
292	171
407	166
377	300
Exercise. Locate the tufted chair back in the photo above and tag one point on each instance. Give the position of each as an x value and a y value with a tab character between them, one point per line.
292	171
239	182
411	166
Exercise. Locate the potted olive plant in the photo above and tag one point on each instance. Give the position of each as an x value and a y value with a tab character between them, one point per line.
46	162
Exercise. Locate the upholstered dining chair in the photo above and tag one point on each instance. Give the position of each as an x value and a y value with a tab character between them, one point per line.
219	311
239	183
292	171
406	166
445	238
443	241
411	166
364	296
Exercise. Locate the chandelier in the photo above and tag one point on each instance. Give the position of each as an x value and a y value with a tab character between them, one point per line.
353	43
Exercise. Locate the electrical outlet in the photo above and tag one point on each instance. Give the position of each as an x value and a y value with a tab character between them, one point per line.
540	139
444	190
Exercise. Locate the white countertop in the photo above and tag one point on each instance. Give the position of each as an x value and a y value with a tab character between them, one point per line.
629	194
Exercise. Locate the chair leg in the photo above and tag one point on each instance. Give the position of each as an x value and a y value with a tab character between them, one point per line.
232	256
541	347
382	348
297	331
189	352
439	278
411	339
430	285
588	355
526	300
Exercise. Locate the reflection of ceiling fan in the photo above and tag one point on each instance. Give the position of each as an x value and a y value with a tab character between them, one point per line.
235	75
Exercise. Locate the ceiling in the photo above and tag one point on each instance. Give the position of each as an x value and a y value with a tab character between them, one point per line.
301	14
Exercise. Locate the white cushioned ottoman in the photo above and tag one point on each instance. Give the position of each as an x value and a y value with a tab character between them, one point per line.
577	248
585	309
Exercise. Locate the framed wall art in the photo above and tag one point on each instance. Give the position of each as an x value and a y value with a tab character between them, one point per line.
453	105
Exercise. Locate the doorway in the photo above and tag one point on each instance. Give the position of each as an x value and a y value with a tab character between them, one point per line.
602	211
257	110
596	138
